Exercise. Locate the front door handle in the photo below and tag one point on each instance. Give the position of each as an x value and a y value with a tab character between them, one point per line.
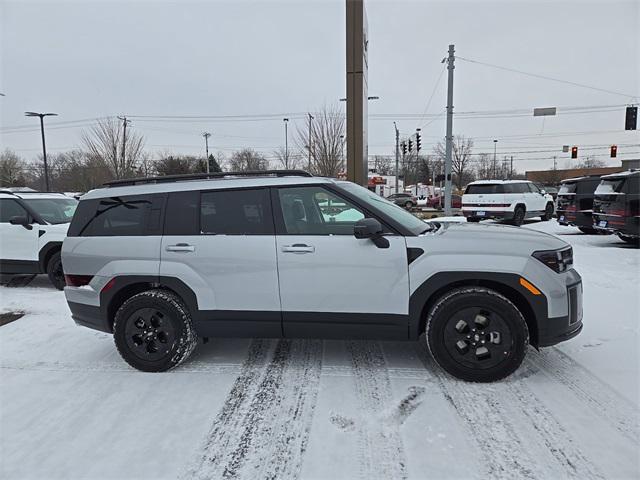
298	248
180	247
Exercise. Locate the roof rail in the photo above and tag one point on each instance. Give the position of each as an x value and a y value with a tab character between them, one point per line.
206	176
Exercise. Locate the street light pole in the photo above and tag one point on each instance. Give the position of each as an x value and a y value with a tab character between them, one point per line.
286	142
44	146
310	119
206	136
450	59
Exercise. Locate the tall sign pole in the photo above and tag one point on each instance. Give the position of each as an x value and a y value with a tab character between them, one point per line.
449	138
357	66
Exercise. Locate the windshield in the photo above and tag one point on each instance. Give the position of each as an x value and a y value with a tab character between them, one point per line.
566	188
484	188
53	210
608	187
399	214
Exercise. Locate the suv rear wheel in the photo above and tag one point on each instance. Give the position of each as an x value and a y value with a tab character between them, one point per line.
54	271
153	331
518	216
629	239
548	212
477	334
408	205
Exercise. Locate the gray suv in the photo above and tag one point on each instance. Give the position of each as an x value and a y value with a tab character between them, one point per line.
160	262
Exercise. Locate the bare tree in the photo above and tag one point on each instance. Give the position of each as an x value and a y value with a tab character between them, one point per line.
590	162
169	164
383	165
12	169
104	141
461	158
327	142
247	159
287	160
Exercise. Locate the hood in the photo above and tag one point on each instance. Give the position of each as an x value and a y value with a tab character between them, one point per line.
490	239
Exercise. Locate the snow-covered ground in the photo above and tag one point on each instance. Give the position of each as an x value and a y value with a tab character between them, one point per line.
71	408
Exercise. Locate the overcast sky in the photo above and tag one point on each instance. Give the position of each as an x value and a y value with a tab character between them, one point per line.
90	59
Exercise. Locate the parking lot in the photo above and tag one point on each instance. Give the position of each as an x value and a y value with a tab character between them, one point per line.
254	408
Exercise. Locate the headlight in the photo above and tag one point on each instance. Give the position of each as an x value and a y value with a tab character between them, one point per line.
558	260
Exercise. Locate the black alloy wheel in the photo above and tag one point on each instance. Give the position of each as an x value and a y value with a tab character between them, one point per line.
149	334
476	334
478	338
55	271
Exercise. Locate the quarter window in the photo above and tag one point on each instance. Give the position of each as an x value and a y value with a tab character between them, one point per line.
236	212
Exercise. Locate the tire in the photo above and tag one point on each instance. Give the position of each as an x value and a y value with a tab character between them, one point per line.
408	205
548	212
55	272
163	319
518	216
462	319
473	219
630	240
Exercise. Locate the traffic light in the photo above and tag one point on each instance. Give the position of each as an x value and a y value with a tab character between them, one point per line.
410	145
404	148
418	142
614	151
574	152
631	118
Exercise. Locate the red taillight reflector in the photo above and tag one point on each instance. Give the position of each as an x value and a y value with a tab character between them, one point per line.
77	280
108	285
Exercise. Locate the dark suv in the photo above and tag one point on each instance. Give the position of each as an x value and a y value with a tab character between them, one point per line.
575	202
616	207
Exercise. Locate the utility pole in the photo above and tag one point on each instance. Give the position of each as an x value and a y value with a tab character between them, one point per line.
555	163
125	122
310	119
449	139
495	143
44	146
511	169
397	154
286	142
206	136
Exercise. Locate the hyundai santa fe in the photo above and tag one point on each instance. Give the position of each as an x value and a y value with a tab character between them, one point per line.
161	262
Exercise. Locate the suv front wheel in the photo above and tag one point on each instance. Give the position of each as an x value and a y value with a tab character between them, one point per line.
476	334
153	331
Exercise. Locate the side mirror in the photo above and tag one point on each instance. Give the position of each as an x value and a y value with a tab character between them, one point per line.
372	229
21	220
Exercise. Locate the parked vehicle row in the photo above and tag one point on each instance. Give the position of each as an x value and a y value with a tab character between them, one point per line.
508	200
160	262
607	204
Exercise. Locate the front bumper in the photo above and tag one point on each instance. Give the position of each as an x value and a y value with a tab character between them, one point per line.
559	329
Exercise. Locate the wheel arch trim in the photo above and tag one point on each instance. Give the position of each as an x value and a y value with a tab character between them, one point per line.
533	308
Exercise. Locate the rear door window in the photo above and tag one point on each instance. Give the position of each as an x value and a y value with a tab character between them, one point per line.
236	212
484	188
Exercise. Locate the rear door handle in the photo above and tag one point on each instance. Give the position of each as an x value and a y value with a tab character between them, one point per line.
180	247
298	248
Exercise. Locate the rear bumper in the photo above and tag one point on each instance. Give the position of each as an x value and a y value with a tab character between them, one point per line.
495	214
88	316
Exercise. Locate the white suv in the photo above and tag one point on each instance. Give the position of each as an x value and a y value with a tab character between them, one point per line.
510	200
160	262
32	228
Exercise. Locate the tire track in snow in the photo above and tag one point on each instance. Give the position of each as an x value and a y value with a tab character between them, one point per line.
551	433
589	389
381	451
227	422
269	436
503	453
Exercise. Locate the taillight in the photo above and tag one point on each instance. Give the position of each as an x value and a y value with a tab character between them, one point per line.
77	280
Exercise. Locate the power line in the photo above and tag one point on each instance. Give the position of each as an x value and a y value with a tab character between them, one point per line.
544	77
